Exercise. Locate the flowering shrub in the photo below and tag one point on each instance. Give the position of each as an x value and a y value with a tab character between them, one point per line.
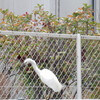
42	21
10	21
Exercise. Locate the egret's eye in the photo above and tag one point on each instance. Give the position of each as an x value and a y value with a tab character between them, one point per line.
26	63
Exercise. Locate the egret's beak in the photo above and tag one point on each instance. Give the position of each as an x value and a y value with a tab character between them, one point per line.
22	66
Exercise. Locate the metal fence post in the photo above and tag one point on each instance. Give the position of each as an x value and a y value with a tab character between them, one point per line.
78	44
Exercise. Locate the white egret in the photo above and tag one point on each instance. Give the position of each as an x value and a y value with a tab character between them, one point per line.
46	76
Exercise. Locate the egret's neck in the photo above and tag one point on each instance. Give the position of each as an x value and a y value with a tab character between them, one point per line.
37	70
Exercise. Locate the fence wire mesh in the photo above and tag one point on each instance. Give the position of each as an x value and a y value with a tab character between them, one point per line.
91	69
56	54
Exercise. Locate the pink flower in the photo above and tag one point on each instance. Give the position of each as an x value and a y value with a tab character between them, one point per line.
26	13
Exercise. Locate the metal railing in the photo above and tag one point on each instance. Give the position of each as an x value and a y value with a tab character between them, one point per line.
74	59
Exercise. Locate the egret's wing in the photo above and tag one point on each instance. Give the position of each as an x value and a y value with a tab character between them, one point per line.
49	78
47	74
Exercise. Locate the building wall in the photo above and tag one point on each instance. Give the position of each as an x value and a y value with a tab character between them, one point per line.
97	11
67	7
21	6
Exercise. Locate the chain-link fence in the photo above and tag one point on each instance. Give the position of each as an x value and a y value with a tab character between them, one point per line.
56	52
91	68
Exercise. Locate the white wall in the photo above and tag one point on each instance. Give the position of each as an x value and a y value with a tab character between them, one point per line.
22	6
52	7
67	7
97	11
6	4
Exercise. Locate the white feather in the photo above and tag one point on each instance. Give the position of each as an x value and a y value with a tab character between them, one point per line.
46	76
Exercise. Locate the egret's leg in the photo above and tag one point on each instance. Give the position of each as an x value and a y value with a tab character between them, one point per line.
44	91
50	93
47	94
